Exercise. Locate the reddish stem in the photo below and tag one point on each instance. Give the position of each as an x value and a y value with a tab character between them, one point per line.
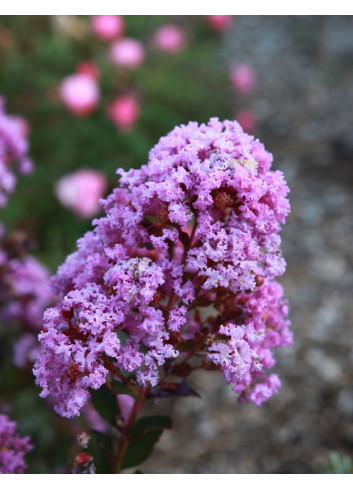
122	377
126	431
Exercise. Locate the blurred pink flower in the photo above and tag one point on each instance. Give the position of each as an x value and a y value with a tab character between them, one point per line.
126	403
107	27
88	68
127	52
22	125
80	191
243	78
170	39
124	112
94	420
26	350
247	120
80	94
220	23
25	165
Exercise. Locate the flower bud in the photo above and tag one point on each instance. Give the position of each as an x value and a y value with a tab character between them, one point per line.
220	23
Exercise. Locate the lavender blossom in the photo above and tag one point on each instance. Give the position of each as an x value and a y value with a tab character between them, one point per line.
24	290
13	153
13	448
197	227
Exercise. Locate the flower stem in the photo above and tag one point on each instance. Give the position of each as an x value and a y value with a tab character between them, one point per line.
126	431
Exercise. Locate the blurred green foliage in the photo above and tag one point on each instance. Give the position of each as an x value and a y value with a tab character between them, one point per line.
35	55
340	464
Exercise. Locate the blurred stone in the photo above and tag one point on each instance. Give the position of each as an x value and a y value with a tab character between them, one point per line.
345	402
326	367
303	103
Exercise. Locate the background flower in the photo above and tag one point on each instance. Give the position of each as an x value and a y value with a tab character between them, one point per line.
13	448
107	27
242	77
124	112
170	39
80	94
81	191
220	23
127	53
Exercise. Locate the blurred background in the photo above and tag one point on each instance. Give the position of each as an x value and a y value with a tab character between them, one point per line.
289	81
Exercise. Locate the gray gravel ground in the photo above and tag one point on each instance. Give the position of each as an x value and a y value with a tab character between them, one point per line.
304	106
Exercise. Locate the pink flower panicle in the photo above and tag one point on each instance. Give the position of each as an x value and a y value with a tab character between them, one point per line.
13	151
81	191
182	262
13	448
259	323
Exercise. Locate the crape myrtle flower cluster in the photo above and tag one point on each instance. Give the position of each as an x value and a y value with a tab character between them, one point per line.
13	152
178	274
13	448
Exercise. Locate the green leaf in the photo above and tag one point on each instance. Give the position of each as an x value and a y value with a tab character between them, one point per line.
105	403
140	449
145	435
121	388
340	464
148	423
175	389
100	448
122	335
